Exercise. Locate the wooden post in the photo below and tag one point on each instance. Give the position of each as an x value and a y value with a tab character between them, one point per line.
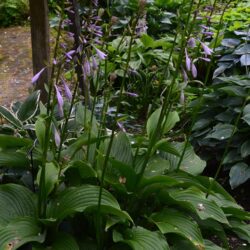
40	43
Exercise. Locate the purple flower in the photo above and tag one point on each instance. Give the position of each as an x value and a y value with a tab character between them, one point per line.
184	74
188	61
57	137
207	50
37	75
95	2
59	101
54	61
191	42
121	127
100	54
131	94
86	67
207	33
94	63
67	90
70	53
194	70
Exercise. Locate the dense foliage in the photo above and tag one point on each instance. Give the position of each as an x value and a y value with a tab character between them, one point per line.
76	173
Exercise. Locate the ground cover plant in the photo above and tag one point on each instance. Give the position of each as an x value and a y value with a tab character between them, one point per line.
73	176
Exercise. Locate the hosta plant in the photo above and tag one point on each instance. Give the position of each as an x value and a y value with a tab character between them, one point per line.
88	200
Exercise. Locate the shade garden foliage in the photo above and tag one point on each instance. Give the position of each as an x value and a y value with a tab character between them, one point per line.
117	163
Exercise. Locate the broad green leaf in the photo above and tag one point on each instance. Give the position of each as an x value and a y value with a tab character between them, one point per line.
10	159
51	177
121	149
191	163
139	238
239	173
245	49
10	117
195	200
230	42
241	229
16	201
245	149
64	241
246	118
83	140
168	122
78	199
209	245
175	222
29	107
245	60
234	91
221	132
9	141
165	146
156	166
20	231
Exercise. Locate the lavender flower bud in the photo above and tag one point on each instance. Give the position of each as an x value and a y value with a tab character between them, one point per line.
67	90
57	137
59	101
37	75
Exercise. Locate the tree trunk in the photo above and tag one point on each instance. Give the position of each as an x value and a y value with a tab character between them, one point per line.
40	43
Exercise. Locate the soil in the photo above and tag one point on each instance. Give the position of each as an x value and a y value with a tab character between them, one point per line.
15	64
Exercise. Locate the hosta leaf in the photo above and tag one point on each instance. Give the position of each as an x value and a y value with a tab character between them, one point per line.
245	60
139	238
241	229
20	231
245	149
174	222
246	118
29	107
64	241
51	177
121	149
10	117
14	160
191	163
221	131
230	42
239	173
245	49
78	199
209	245
16	201
40	130
234	91
196	201
9	141
152	122
165	146
156	166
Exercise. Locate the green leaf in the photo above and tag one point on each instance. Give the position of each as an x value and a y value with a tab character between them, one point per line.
168	121
29	107
9	141
209	245
78	199
234	91
245	49
64	241
20	231
246	118
191	163
245	149
156	166
51	177
221	132
195	200
10	159
10	117
241	229
165	146
245	60
175	222
147	41
239	173
16	201
139	238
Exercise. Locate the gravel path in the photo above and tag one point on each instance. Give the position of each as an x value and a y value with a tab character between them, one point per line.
15	64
